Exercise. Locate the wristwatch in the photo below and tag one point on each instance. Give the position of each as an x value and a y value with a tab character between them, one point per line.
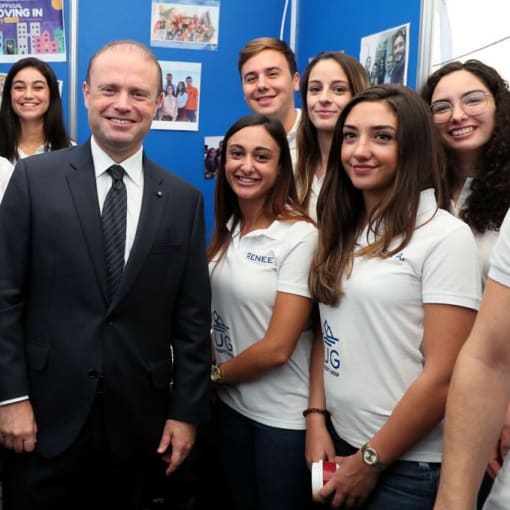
371	457
216	373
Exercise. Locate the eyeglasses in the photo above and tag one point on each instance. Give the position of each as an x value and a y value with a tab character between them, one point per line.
473	103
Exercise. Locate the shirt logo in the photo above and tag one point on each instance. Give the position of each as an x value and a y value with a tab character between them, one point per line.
400	257
260	259
332	360
220	333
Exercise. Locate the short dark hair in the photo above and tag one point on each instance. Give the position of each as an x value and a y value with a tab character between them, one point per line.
255	46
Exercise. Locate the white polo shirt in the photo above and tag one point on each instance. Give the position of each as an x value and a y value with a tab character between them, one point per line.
6	168
500	258
373	338
244	286
499	497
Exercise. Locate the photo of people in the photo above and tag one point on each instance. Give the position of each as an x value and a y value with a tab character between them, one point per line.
179	109
2	81
190	24
212	153
384	55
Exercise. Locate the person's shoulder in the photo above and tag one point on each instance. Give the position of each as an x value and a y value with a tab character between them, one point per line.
5	165
444	229
53	157
298	227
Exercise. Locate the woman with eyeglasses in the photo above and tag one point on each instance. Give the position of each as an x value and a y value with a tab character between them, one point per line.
470	105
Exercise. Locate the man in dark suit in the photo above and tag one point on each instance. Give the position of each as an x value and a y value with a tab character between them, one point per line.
103	374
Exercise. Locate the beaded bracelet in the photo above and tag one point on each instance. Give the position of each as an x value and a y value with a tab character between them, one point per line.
316	410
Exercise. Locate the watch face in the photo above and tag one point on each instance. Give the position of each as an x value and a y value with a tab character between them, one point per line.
370	456
215	373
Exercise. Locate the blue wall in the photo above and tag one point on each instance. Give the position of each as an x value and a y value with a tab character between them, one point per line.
221	101
334	25
322	25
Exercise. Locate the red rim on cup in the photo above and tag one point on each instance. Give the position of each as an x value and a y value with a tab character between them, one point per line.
322	472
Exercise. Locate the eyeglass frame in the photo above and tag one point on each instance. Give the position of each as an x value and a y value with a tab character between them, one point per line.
461	103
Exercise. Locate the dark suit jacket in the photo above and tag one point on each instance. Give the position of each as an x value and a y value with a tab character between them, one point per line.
58	330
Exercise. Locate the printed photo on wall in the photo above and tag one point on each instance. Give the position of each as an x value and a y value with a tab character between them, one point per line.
188	24
3	76
212	154
180	108
32	28
384	55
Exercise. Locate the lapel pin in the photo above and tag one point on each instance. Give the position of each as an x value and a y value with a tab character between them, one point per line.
159	194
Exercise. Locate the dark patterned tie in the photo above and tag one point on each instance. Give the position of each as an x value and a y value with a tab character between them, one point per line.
114	228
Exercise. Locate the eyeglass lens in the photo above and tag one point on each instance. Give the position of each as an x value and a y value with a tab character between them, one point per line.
472	104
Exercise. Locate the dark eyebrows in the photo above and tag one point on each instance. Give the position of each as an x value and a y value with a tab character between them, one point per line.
36	82
373	128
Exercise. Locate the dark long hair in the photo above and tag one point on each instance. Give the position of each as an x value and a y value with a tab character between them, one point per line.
489	200
308	146
341	209
54	129
281	201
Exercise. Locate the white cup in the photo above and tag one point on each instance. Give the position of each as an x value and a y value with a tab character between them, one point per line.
322	472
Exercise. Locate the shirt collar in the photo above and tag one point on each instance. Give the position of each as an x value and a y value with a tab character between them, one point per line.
133	166
273	231
291	135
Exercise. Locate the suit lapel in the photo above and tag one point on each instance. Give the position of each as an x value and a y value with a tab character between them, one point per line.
82	184
153	203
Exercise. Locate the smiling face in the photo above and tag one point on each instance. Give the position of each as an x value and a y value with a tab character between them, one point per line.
252	165
122	97
369	149
269	86
327	93
30	94
399	49
464	133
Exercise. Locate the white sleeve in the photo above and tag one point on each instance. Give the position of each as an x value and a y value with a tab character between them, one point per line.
500	257
294	263
451	271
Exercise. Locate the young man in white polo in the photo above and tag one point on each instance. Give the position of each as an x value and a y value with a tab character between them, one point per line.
270	79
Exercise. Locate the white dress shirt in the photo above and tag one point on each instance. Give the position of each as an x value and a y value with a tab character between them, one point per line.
133	179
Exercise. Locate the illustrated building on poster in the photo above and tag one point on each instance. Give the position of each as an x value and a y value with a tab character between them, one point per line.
30	40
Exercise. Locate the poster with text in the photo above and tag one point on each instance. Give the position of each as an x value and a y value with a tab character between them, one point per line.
180	107
188	24
32	28
384	55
